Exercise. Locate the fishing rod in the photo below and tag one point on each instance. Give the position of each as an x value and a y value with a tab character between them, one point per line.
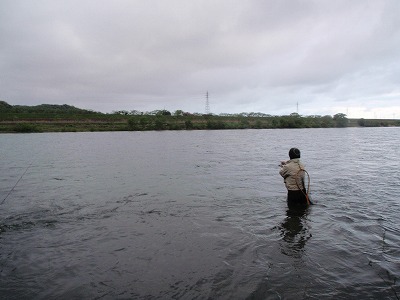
308	186
5	198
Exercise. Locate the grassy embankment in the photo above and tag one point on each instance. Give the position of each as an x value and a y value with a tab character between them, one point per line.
65	118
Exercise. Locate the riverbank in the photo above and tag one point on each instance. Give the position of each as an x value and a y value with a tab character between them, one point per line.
146	123
65	118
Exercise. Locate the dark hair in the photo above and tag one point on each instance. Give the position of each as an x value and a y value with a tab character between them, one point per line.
294	153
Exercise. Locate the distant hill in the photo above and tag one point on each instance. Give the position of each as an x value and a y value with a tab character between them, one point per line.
4	106
42	108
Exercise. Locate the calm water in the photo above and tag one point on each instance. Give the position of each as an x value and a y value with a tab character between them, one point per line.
198	215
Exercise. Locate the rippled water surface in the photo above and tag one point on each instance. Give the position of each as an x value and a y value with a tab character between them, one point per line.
198	215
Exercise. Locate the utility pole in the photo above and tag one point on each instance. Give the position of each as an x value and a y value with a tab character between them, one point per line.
207	105
297	107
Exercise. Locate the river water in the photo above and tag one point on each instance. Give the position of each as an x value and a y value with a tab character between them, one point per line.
198	215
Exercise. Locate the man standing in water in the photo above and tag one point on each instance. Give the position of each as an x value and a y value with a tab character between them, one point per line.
292	172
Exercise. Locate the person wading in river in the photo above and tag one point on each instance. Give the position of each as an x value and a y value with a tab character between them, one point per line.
293	172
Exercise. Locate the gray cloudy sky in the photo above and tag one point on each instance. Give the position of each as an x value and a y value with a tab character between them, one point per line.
252	56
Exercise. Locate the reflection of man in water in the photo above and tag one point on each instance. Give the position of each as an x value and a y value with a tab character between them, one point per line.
293	231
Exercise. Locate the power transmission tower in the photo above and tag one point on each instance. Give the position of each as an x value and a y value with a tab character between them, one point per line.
207	105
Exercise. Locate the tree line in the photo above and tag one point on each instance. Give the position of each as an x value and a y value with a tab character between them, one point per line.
163	121
48	117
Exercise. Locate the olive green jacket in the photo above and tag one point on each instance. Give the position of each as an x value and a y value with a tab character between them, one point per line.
292	176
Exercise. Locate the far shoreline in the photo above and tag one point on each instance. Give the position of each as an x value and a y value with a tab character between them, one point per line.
120	125
66	118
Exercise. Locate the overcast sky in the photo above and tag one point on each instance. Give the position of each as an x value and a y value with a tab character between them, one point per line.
276	57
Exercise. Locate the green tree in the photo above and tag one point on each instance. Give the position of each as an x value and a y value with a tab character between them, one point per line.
258	124
135	112
211	124
178	113
144	122
361	122
188	124
133	124
163	113
244	122
160	124
327	121
341	120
